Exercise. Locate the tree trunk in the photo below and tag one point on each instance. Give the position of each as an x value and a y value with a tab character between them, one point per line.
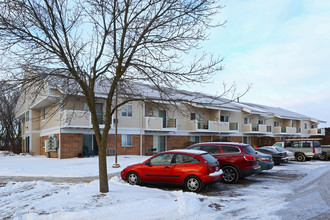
103	175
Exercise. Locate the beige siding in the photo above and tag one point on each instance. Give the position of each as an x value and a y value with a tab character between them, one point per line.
35	146
52	117
29	97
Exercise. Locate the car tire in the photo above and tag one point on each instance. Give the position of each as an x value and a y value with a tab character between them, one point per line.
133	178
323	156
230	174
300	157
193	184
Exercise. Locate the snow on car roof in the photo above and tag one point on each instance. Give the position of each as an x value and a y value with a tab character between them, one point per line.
190	151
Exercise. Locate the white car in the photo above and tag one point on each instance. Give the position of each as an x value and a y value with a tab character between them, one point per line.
281	149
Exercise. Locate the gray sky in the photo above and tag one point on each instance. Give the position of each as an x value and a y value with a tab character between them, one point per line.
282	47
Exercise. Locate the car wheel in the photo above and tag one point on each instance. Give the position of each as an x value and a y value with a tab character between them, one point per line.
193	183
323	156
133	178
300	157
230	174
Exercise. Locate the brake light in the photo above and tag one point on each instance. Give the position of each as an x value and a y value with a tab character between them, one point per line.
264	159
249	158
313	150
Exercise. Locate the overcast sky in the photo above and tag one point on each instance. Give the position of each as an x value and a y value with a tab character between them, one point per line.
282	47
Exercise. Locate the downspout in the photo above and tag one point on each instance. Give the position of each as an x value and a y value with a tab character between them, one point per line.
59	134
30	131
141	128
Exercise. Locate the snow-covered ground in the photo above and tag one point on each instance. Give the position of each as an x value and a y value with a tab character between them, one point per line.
291	191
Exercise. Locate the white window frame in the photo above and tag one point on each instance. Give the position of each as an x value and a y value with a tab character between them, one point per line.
127	110
193	139
125	139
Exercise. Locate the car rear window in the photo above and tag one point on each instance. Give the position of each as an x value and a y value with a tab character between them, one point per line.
249	149
209	158
230	149
182	159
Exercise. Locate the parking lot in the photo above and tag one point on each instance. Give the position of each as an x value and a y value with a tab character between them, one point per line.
292	190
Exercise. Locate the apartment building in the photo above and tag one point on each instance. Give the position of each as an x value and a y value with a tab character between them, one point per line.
60	130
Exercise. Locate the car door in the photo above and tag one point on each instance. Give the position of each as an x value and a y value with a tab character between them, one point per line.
183	166
159	168
229	154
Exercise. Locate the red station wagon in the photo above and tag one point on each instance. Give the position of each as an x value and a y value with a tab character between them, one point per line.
237	160
189	167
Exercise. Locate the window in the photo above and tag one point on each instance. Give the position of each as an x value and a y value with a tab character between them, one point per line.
305	125
43	113
182	159
27	116
126	140
211	149
260	122
194	116
224	118
246	140
276	124
162	159
230	149
247	121
126	110
195	139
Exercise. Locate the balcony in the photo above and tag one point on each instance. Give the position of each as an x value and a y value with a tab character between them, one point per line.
317	131
202	126
256	128
77	118
160	124
285	130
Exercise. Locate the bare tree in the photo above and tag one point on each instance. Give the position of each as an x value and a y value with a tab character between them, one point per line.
10	127
109	45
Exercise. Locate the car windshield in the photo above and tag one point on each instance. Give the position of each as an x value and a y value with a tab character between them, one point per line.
209	158
277	144
249	149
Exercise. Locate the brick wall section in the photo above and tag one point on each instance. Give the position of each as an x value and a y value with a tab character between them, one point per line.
71	145
206	138
52	154
177	142
235	139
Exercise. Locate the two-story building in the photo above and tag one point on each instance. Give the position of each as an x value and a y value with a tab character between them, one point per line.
58	128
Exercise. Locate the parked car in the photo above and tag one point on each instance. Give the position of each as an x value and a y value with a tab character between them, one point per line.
265	161
289	154
303	149
237	160
193	169
325	152
278	157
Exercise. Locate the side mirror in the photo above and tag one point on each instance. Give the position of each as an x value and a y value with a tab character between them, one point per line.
147	163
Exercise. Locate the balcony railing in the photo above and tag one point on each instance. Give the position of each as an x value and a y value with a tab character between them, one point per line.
233	126
317	131
100	117
269	128
169	123
203	124
160	124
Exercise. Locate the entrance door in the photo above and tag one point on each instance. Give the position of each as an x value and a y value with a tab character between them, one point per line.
90	142
159	143
27	144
